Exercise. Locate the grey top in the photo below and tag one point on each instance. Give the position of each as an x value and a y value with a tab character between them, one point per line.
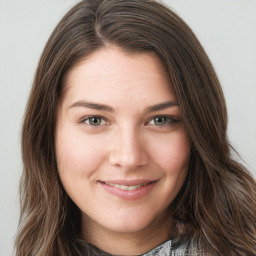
169	248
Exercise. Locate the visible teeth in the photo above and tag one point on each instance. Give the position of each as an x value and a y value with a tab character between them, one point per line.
124	187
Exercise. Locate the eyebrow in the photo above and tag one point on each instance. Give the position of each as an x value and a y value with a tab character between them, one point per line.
161	106
92	106
107	108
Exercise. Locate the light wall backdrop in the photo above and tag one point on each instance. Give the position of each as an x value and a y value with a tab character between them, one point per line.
226	28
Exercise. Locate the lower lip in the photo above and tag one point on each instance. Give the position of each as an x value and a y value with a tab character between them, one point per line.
129	194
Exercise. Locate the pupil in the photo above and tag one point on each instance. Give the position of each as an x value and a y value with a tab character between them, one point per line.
95	121
160	120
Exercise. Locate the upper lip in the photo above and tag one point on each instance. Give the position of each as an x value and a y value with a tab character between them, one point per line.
126	182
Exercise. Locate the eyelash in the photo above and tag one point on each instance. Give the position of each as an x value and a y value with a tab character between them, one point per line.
168	120
84	120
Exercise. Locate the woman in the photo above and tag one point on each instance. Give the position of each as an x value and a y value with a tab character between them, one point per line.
124	142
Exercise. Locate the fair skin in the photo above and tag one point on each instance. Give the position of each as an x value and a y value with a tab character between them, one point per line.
121	149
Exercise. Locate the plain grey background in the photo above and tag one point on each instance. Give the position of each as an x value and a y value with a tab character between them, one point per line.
226	28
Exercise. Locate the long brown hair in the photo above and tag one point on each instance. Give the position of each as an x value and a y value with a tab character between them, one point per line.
217	202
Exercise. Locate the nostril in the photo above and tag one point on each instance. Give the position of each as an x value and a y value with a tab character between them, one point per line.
128	160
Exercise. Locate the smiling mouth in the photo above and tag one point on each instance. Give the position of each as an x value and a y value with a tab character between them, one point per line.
128	189
124	187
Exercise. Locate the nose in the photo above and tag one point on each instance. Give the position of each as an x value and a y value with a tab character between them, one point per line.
128	150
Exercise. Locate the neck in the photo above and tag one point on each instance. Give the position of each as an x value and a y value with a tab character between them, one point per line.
132	243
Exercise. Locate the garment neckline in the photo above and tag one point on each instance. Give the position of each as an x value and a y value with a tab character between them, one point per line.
168	246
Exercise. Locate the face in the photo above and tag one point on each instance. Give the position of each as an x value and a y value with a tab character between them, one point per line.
121	149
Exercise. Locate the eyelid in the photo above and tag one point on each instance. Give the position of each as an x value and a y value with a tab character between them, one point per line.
84	119
169	119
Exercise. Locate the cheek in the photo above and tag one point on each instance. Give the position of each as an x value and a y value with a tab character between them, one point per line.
77	154
173	158
172	154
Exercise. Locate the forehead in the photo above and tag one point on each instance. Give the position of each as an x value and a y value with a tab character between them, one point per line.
111	71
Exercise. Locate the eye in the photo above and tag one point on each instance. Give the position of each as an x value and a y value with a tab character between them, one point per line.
161	120
94	121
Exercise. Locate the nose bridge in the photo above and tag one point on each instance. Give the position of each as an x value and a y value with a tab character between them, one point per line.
128	150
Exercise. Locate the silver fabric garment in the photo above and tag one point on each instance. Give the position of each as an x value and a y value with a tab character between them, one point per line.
169	248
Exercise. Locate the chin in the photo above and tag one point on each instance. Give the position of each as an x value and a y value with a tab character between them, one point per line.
132	223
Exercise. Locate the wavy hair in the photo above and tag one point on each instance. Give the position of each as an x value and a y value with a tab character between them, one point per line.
217	202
